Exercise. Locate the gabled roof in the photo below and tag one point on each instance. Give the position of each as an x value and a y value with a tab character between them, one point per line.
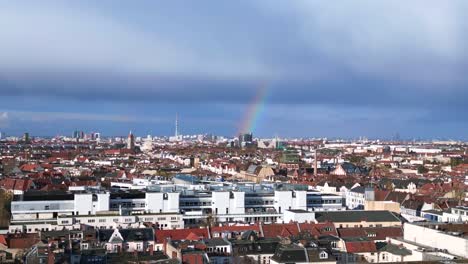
393	249
234	228
359	245
274	230
179	234
131	234
3	240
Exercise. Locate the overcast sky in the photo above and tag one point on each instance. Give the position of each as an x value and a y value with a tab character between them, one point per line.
335	69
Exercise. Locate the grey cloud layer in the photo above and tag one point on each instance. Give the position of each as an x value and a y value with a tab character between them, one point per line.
393	56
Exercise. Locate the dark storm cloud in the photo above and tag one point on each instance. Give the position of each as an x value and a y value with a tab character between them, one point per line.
406	58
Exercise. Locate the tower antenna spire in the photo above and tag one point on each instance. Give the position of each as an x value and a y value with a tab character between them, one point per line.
177	125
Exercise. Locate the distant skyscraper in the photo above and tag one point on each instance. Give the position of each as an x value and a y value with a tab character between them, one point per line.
245	139
26	137
130	141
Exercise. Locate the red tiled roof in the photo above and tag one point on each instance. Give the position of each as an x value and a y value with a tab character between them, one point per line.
179	234
192	236
326	228
234	228
15	184
3	240
275	230
360	246
29	167
22	240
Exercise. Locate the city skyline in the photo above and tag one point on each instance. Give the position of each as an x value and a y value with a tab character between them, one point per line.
322	70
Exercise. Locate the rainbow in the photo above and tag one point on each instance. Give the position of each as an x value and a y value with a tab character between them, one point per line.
254	109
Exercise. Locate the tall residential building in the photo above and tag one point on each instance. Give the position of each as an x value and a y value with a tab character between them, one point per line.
130	141
245	139
26	137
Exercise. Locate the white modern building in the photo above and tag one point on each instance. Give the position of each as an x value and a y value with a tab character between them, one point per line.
456	214
450	238
167	209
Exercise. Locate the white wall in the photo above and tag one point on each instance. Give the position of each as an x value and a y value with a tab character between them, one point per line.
84	203
436	239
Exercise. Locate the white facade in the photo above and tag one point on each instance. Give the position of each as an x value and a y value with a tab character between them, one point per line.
432	235
133	208
299	216
457	214
355	200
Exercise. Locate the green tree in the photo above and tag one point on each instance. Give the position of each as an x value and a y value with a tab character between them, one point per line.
422	169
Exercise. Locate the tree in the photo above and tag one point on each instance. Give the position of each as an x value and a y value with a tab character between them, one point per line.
422	169
358	160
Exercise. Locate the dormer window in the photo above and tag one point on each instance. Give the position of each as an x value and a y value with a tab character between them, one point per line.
323	255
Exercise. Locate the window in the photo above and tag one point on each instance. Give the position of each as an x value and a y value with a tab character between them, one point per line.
91	220
138	246
64	222
102	220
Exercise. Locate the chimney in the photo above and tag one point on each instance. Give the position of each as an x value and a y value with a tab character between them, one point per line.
50	257
151	249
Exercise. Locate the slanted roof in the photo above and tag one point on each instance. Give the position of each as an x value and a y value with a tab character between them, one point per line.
393	249
214	242
359	245
131	234
179	234
290	254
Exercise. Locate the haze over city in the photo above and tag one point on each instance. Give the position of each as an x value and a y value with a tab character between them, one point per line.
302	68
233	131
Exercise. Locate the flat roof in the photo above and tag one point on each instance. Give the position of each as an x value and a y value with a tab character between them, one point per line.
357	216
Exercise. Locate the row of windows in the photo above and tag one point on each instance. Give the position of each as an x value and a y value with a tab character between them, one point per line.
259	202
324	201
195	203
128	205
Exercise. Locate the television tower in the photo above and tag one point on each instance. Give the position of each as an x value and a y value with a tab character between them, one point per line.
177	125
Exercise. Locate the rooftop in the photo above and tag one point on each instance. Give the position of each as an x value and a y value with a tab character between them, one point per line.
356	216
